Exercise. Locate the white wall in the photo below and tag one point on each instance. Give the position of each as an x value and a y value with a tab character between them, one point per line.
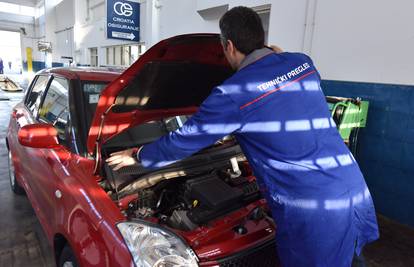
63	30
50	26
65	15
368	41
288	24
371	40
22	2
352	40
39	35
183	18
286	27
190	16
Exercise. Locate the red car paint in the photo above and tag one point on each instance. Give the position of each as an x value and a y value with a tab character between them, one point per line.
63	189
40	135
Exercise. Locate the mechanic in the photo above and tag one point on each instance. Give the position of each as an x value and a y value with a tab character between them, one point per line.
1	66
313	185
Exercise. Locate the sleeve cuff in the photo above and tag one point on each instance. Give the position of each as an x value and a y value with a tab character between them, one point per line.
137	153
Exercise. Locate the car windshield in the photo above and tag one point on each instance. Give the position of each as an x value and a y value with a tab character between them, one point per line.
138	135
91	92
141	134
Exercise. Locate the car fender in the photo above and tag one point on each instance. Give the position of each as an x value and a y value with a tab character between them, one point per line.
87	217
86	240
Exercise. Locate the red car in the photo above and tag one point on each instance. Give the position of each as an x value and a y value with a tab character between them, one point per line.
203	211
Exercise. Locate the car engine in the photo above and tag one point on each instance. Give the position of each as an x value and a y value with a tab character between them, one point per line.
188	202
186	194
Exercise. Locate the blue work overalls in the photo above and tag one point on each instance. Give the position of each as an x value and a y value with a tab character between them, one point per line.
275	108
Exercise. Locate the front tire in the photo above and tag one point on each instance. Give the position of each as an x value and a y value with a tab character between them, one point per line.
14	185
67	258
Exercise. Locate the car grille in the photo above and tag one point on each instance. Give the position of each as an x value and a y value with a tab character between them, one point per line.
264	255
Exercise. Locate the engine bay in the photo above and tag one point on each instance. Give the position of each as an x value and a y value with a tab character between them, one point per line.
183	200
188	202
187	194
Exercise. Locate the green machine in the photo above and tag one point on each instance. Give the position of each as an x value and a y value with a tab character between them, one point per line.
349	115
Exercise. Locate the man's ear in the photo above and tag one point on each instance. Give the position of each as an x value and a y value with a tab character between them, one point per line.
230	47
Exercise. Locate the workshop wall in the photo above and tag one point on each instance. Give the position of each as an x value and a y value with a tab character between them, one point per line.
364	49
286	23
368	41
386	147
64	21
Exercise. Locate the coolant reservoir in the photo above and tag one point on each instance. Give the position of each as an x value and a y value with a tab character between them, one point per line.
235	168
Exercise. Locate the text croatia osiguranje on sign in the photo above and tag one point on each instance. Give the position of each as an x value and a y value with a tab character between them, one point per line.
122	20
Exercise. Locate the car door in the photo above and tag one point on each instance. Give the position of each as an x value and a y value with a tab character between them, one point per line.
48	166
22	114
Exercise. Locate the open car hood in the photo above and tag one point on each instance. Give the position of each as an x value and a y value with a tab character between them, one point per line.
173	77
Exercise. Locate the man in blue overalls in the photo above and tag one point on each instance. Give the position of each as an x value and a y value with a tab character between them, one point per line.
275	108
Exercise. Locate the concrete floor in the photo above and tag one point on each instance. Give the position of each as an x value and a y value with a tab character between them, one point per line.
395	248
23	243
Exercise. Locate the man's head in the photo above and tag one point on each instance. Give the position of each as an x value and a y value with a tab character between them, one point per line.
241	33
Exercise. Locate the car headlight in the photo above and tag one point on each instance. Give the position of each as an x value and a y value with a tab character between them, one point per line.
151	246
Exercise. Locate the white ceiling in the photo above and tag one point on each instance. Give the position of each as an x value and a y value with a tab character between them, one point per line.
31	3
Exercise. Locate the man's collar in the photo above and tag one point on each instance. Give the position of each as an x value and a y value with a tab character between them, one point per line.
255	56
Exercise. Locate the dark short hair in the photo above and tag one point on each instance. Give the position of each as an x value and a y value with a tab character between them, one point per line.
243	26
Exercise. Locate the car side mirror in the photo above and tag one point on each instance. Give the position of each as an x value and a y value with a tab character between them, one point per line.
41	135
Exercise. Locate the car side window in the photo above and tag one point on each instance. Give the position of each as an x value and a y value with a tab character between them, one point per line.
34	97
55	107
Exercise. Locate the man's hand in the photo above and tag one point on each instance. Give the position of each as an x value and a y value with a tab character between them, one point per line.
276	48
122	159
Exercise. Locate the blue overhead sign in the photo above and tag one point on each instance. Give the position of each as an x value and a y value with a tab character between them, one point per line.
122	20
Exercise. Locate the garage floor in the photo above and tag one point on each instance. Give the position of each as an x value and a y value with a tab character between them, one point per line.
23	243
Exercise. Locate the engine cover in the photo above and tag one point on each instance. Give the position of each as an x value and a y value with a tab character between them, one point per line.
212	192
213	196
